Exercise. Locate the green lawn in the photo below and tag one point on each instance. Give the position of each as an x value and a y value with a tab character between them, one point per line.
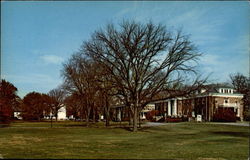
173	141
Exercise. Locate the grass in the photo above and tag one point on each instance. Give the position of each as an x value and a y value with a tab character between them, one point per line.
172	141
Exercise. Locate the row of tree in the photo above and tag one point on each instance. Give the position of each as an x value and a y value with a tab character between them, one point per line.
34	106
130	64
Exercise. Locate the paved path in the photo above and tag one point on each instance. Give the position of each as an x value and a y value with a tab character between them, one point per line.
151	124
246	124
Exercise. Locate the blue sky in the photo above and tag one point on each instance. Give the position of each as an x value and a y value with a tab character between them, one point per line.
37	37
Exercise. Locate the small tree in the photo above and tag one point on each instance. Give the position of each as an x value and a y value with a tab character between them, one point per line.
242	85
80	78
35	105
57	95
73	105
8	99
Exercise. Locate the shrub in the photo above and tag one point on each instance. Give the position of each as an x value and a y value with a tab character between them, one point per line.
184	119
224	115
151	114
5	114
170	119
246	115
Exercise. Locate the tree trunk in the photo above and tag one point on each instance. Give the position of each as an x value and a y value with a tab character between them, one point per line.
93	115
139	119
56	116
107	121
130	118
56	112
107	109
51	121
87	116
107	117
87	120
135	119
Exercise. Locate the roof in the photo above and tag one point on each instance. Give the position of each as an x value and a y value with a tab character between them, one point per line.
214	89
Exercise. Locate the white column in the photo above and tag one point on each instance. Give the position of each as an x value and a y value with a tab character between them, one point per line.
238	112
175	107
169	107
119	115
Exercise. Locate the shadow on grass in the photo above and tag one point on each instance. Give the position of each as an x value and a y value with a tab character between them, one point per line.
140	129
235	134
4	125
74	125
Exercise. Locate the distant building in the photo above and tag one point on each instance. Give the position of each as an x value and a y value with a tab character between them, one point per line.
17	115
17	112
62	113
205	102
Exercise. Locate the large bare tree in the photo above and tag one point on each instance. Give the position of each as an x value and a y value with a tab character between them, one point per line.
143	59
79	75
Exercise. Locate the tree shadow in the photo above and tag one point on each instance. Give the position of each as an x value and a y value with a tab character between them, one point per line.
75	125
139	129
4	125
228	133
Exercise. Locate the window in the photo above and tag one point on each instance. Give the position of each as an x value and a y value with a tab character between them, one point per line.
221	90
226	101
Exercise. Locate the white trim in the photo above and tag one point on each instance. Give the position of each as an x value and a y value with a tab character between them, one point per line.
226	95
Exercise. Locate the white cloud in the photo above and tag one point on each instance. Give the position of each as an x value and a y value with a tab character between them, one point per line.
52	59
127	10
210	59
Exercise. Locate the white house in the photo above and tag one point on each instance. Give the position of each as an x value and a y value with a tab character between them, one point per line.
62	113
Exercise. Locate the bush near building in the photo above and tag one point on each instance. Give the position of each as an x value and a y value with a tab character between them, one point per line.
224	115
151	115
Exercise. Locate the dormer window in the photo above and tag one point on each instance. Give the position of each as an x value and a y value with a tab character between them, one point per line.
221	90
226	90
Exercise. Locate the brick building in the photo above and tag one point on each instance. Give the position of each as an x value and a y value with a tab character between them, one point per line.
205	102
